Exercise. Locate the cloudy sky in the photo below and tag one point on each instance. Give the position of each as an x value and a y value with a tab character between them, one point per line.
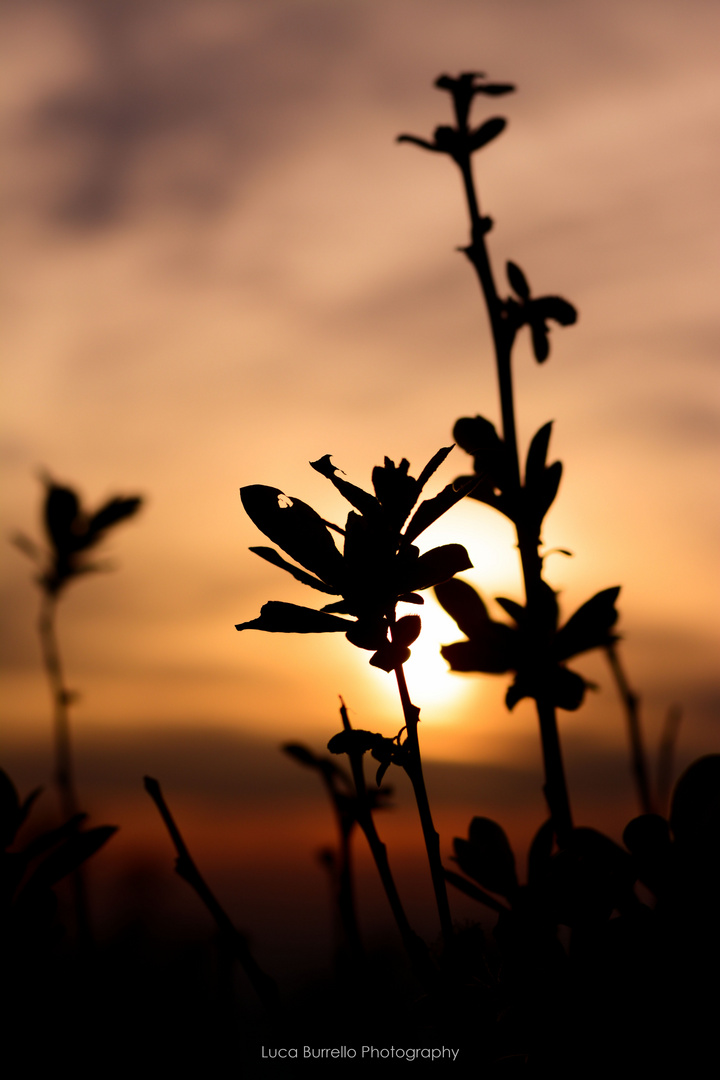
220	266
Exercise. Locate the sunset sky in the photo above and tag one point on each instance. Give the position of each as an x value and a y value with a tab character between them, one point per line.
219	266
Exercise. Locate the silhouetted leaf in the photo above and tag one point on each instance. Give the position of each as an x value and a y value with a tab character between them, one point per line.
464	605
111	513
568	689
540	340
390	655
537	454
423	143
432	466
355	741
277	617
302	755
297	529
62	510
439	564
486	133
555	308
589	627
270	555
518	281
407	630
515	611
430	510
475	433
487	857
361	500
493	653
74	851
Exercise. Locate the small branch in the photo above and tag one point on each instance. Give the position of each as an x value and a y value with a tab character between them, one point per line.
236	943
638	757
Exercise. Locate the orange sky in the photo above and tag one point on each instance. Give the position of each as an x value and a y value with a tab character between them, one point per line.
221	267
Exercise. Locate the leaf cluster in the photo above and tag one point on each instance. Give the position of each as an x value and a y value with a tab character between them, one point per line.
28	874
379	565
535	647
72	531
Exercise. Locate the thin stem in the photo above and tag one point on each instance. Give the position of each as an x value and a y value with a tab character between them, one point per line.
61	698
64	771
414	945
631	701
414	770
264	986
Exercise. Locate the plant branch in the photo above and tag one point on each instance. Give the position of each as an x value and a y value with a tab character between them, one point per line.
235	942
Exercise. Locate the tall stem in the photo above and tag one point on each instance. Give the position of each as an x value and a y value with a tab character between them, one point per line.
637	749
414	770
61	697
503	338
64	771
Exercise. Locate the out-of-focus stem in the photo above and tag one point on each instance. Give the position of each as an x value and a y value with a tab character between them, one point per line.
61	697
631	701
185	867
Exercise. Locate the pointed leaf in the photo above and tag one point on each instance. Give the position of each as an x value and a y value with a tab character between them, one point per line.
74	851
590	626
493	653
438	565
518	281
297	529
112	512
465	606
418	142
270	555
433	464
430	510
361	500
515	611
390	655
537	454
486	132
277	617
555	308
494	89
302	755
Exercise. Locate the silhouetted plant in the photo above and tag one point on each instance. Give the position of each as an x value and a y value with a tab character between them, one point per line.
72	533
536	648
378	568
29	874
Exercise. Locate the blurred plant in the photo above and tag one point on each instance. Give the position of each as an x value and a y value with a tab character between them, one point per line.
29	874
72	532
378	568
